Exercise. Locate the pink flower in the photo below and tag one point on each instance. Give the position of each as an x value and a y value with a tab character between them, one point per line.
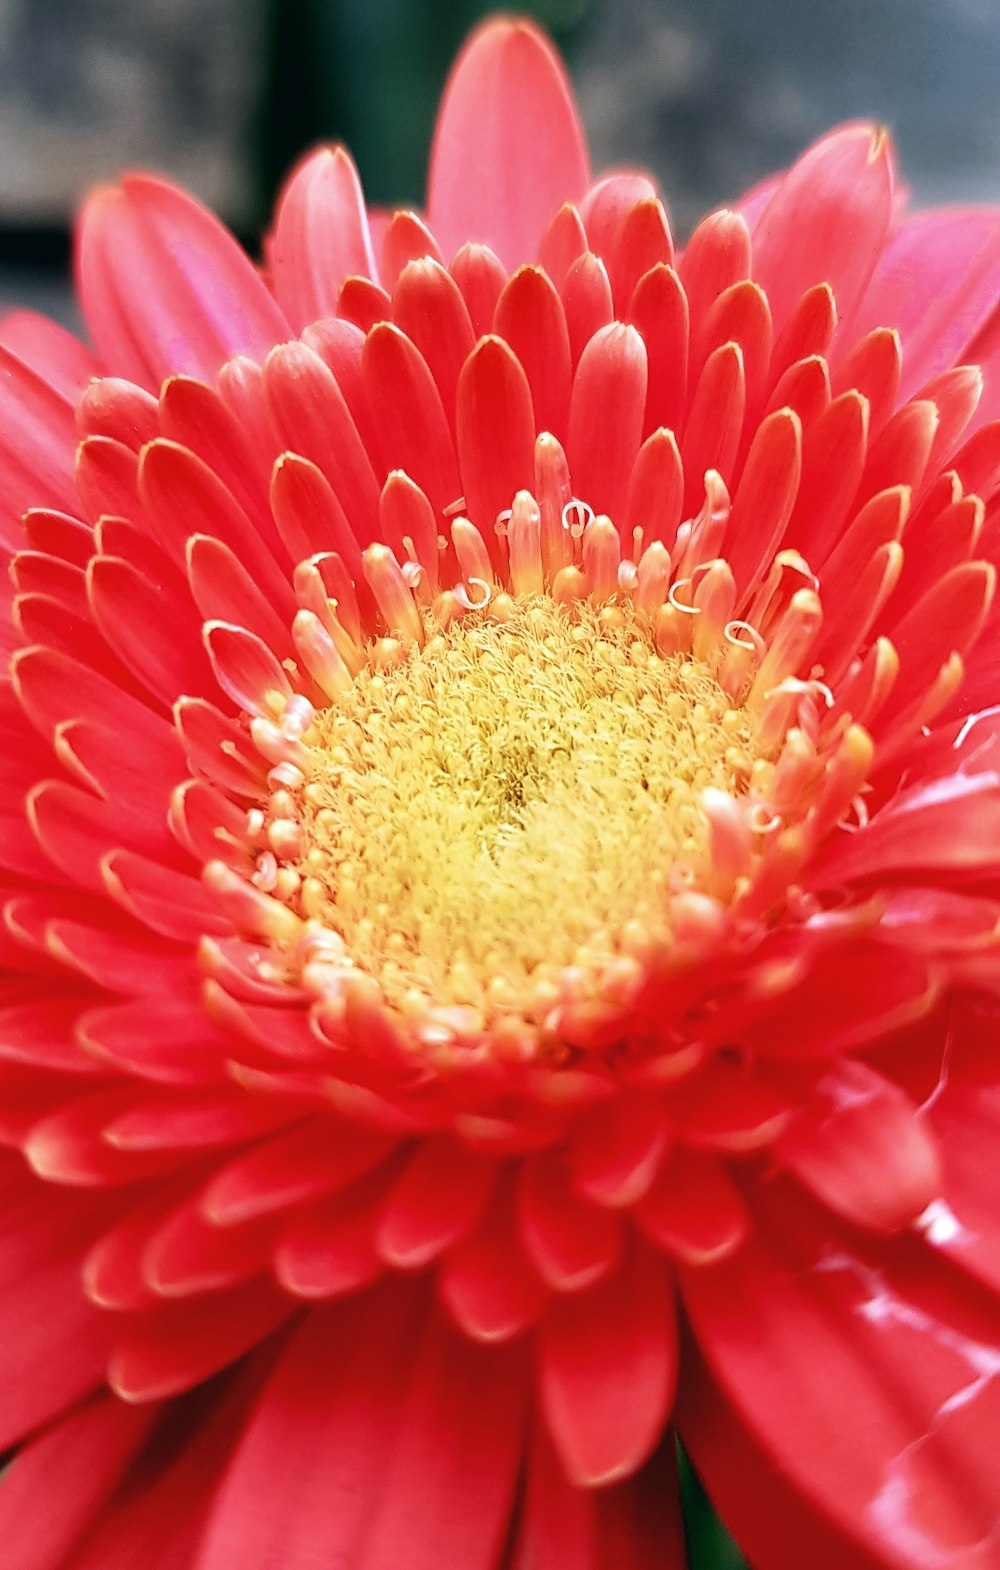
501	859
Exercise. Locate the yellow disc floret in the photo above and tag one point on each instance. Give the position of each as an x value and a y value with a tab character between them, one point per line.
505	800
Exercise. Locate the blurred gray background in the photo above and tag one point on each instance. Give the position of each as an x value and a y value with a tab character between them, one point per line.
222	94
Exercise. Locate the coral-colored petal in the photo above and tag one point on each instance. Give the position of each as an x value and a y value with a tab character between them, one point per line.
495	433
508	148
606	417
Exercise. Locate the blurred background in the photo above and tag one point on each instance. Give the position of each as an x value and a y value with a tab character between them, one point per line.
222	94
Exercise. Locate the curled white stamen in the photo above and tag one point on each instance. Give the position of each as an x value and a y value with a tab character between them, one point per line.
297	717
286	774
688	610
763	819
628	574
464	599
753	640
577	516
503	519
454	508
266	875
411	572
805	689
255	823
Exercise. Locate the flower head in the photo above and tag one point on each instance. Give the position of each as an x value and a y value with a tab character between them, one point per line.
502	857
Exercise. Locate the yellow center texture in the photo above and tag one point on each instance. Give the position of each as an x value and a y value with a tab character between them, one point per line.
507	799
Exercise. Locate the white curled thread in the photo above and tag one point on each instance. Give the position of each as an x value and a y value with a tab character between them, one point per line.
805	689
266	875
412	572
297	717
688	610
628	574
286	774
501	526
753	640
468	604
577	516
763	819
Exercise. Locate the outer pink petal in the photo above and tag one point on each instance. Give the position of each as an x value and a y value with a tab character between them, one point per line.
937	282
827	221
165	289
508	147
320	237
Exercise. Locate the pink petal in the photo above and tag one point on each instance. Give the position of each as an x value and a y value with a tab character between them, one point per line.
937	282
508	149
320	236
827	221
165	289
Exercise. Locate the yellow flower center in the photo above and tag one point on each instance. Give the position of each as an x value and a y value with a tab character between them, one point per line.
510	800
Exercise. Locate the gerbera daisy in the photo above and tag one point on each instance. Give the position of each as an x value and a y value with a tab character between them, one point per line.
501	846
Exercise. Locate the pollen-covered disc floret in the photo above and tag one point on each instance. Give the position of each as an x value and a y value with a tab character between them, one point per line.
486	822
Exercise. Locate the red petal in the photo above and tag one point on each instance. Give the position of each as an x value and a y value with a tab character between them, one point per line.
659	309
487	1283
635	1525
936	282
694	1209
508	149
607	1369
438	1199
496	433
162	1351
572	1243
64	1477
414	433
867	1380
427	305
862	1148
530	317
586	297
